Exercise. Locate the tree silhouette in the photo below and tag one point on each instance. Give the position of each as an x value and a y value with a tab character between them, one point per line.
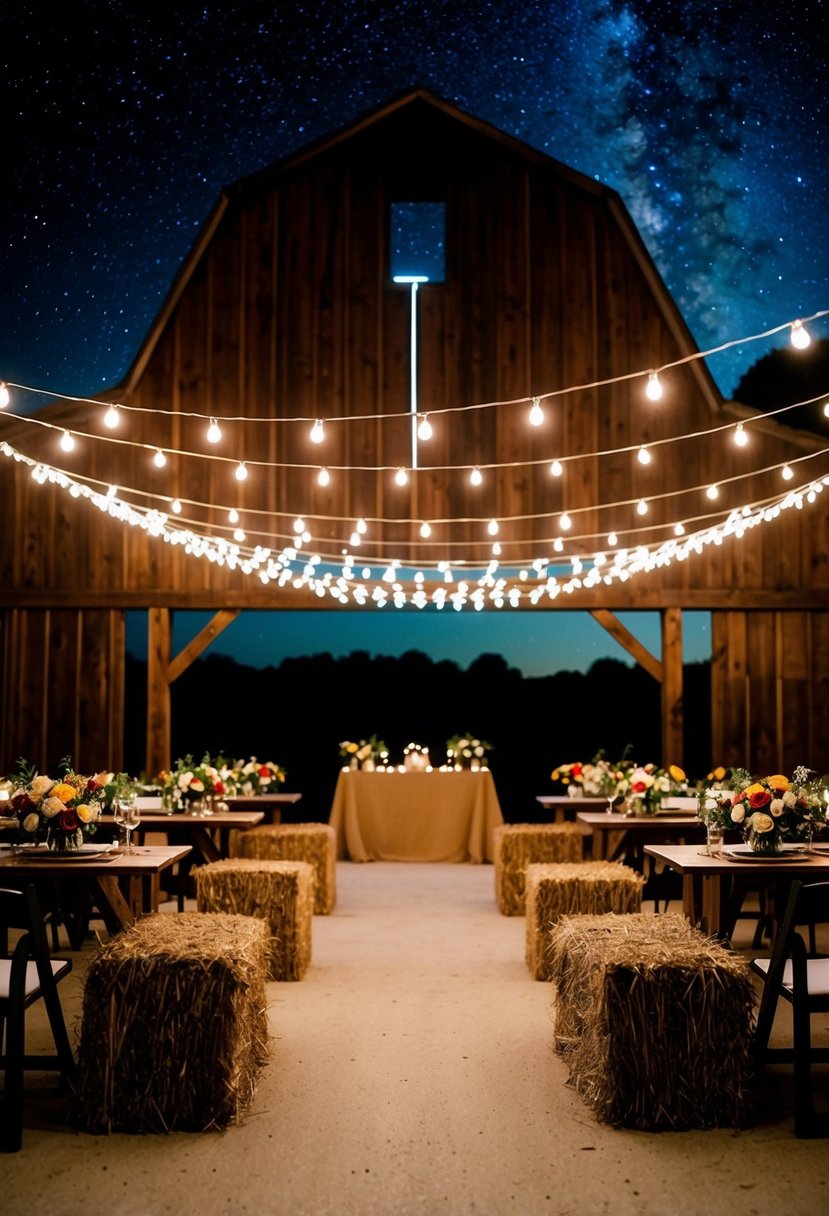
786	376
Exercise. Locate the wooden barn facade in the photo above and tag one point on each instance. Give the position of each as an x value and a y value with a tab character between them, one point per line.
286	312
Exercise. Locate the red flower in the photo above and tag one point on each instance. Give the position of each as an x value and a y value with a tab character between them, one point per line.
21	802
264	771
575	771
759	798
218	787
68	820
638	787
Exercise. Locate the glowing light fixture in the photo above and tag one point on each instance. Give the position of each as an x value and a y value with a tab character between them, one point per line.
233	516
476	477
712	492
787	473
425	529
362	527
556	469
643	456
679	529
239	535
317	431
111	418
213	432
653	389
401	477
641	507
241	471
565	522
740	436
67	442
612	540
800	335
536	413
323	477
159	459
424	430
4	395
175	507
492	527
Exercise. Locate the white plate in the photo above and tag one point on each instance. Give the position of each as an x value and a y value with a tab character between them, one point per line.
744	852
87	852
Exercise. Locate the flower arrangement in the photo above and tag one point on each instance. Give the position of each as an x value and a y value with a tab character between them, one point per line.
647	785
365	753
255	777
599	778
465	751
187	782
56	811
716	793
774	810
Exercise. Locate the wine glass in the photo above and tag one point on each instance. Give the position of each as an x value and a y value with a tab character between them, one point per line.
119	804
130	817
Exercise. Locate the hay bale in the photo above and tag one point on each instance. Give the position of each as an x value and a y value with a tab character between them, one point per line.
660	1021
280	892
174	1030
517	845
315	843
553	890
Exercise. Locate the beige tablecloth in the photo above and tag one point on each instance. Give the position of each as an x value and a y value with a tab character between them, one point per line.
437	816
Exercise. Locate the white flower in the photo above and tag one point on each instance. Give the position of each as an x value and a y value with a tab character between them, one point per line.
789	798
479	751
184	780
776	807
738	814
31	822
52	807
41	786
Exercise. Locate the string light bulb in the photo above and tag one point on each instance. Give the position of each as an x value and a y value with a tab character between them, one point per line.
826	409
5	398
536	413
679	529
653	389
800	336
612	540
175	507
159	459
556	469
67	443
740	436
492	527
496	549
787	473
213	432
565	522
362	527
317	431
712	492
239	535
111	418
425	529
643	456
424	430
241	471
401	477
323	477
476	476
233	516
641	507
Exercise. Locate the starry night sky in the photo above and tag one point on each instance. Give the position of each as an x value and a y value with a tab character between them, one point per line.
123	121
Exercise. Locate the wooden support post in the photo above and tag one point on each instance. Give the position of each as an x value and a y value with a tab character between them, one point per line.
158	690
672	710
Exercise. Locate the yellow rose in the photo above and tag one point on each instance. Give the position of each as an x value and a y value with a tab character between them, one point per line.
760	822
757	788
63	791
676	772
352	747
778	782
86	813
718	774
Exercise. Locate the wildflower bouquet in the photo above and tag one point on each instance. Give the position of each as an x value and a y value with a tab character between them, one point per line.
366	750
255	777
188	782
774	810
56	811
464	751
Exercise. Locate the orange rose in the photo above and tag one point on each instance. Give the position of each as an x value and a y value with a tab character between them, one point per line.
778	782
63	791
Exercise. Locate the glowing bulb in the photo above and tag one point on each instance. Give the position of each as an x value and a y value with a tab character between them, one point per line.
401	477
476	476
555	469
712	492
67	442
787	473
641	507
558	544
111	418
159	460
496	549
740	437
213	432
323	477
299	524
425	529
175	507
355	539
612	540
565	522
241	471
424	431
4	395
654	388
536	413
492	527
643	456
679	530
826	410
362	527
800	335
317	432
233	516
238	535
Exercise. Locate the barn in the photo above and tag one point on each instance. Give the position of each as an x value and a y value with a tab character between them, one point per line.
528	348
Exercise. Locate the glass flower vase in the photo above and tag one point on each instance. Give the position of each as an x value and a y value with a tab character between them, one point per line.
58	841
765	842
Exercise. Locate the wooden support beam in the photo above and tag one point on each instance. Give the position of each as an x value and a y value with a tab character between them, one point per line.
158	690
631	644
672	687
200	643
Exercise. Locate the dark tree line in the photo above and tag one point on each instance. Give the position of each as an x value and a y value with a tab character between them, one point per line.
297	713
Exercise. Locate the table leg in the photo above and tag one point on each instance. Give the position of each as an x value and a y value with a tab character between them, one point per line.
109	899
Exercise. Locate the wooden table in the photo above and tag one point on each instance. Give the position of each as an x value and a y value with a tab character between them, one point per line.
415	816
712	887
208	836
616	835
269	803
564	808
119	885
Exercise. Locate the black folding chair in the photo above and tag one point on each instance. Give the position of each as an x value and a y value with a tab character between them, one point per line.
27	974
795	972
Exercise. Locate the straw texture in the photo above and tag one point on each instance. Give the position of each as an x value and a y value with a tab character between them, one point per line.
553	890
517	845
174	1025
654	1019
315	843
280	892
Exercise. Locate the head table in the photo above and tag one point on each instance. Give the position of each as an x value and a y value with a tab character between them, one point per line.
441	815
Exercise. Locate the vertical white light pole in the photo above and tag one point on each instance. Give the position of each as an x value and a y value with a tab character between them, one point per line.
413	280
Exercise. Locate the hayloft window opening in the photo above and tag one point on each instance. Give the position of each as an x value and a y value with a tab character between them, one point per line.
417	241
